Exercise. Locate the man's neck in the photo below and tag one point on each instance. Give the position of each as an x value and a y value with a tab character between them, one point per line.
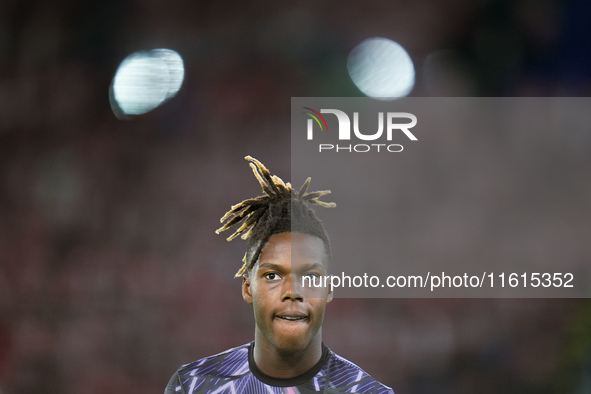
284	365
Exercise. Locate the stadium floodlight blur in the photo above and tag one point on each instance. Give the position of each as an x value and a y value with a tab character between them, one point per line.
145	80
381	69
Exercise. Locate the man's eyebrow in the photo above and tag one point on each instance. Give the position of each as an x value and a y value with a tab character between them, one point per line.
271	266
312	266
306	267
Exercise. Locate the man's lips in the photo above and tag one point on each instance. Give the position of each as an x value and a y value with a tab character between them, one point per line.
291	316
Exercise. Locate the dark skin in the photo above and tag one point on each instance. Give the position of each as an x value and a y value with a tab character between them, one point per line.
288	316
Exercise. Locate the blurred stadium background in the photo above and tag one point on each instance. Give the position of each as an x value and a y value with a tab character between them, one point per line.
110	273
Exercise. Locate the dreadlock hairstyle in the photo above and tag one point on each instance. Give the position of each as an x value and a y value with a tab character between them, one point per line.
280	210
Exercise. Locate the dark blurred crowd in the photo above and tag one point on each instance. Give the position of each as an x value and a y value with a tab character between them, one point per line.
111	275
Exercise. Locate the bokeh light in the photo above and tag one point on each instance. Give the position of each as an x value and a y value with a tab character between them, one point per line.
145	80
381	69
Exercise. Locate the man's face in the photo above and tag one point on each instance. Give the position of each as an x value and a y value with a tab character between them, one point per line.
288	315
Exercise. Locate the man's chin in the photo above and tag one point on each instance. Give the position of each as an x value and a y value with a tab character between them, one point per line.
290	347
290	337
292	342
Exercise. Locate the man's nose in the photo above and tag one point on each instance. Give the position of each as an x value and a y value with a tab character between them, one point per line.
292	289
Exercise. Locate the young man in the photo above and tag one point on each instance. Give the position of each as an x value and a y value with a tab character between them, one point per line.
286	243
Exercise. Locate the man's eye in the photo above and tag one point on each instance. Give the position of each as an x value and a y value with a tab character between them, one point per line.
272	276
312	276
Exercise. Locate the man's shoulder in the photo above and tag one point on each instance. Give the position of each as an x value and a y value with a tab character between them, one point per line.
230	363
350	375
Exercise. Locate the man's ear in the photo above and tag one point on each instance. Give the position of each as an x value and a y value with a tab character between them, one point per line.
246	294
330	295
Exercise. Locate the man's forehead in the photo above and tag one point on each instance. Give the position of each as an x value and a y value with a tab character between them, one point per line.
298	248
296	266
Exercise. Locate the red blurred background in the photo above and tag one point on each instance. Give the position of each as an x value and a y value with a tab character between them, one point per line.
110	273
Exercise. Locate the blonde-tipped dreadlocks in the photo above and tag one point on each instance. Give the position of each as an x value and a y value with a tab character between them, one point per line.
281	209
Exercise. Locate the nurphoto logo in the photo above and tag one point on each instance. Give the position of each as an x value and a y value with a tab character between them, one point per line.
396	122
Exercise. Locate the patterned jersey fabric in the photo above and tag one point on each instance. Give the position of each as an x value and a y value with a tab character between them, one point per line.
234	371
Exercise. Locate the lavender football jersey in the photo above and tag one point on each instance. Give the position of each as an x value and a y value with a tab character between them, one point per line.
234	371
